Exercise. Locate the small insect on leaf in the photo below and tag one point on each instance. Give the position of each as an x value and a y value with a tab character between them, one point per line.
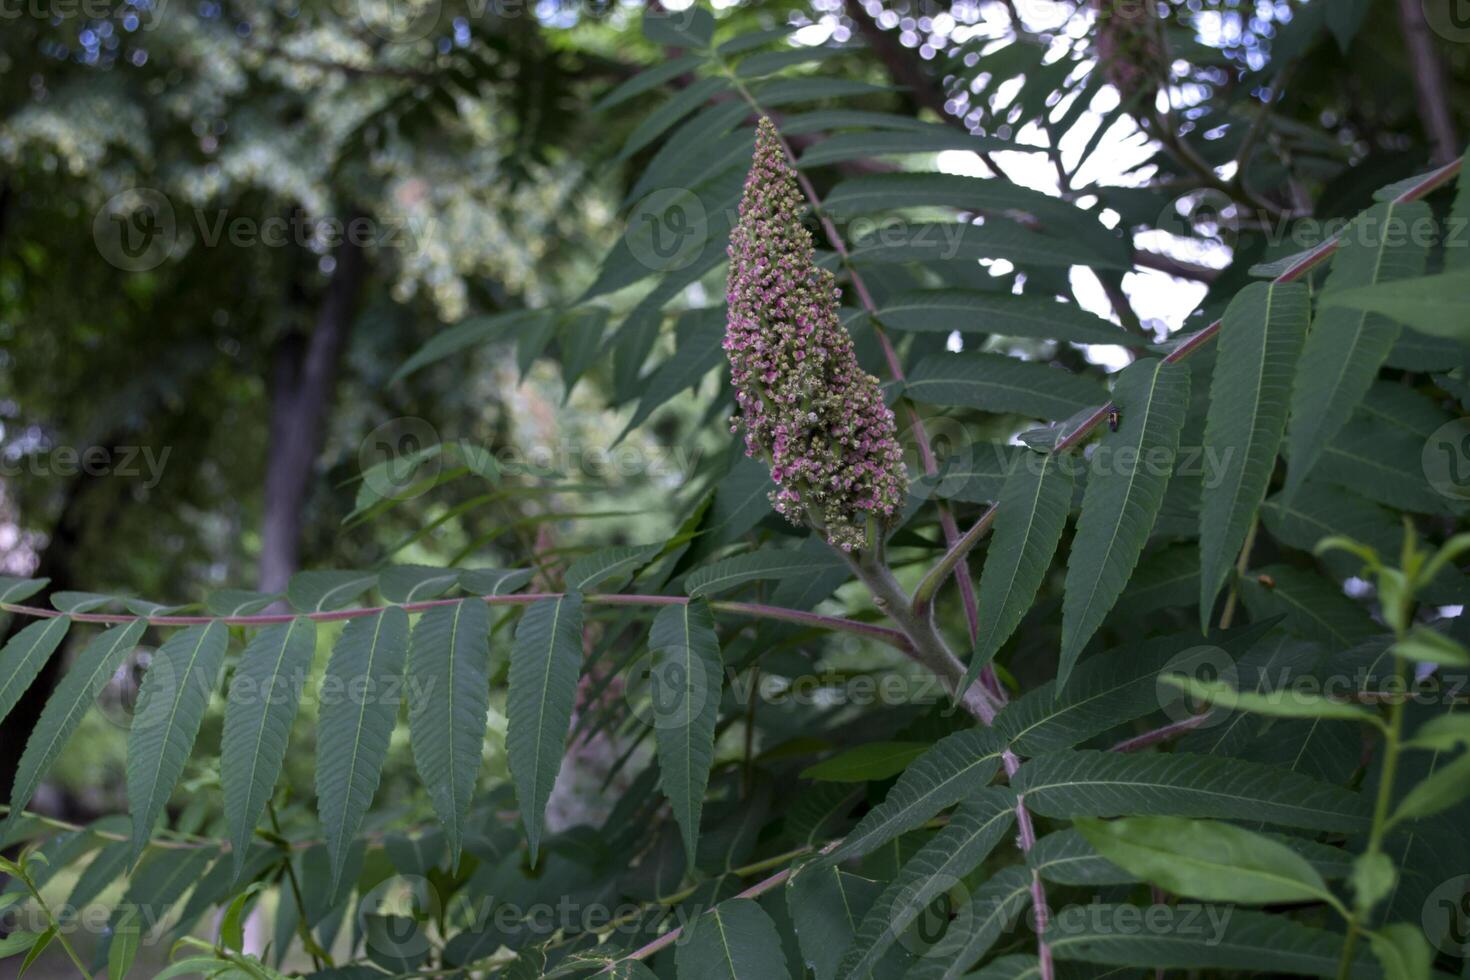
1114	417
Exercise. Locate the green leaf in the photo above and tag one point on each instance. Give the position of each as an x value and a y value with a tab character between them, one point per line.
1197	938
768	564
1260	341
1207	860
875	760
1127	475
1346	347
994	910
955	767
996	383
359	705
1314	608
676	107
735	940
1028	527
975	311
123	951
239	602
1102	784
1066	858
688	28
320	591
935	139
688	677
64	711
1438	305
1276	703
1403	951
609	567
648	80
940	865
14	589
1424	645
260	708
468	333
826	905
545	663
23	657
827	120
37	948
1448	785
998	238
449	674
171	704
770	62
416	583
493	581
697	351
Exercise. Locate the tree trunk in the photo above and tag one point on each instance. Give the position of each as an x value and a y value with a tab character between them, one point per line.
1429	83
303	376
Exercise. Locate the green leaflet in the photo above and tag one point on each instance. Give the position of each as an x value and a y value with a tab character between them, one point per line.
1260	341
648	80
13	589
63	712
470	332
1028	527
996	383
998	238
826	904
449	674
696	352
24	656
976	311
1102	784
545	663
676	107
610	568
1196	937
171	705
154	888
1346	347
869	761
956	767
735	940
1066	858
687	676
1127	475
944	860
317	591
865	145
1208	860
1438	305
416	583
259	710
994	910
767	564
359	705
1314	608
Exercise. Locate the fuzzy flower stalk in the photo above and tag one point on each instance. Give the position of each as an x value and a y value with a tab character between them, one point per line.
806	405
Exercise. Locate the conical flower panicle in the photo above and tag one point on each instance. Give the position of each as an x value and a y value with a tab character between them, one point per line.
806	405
